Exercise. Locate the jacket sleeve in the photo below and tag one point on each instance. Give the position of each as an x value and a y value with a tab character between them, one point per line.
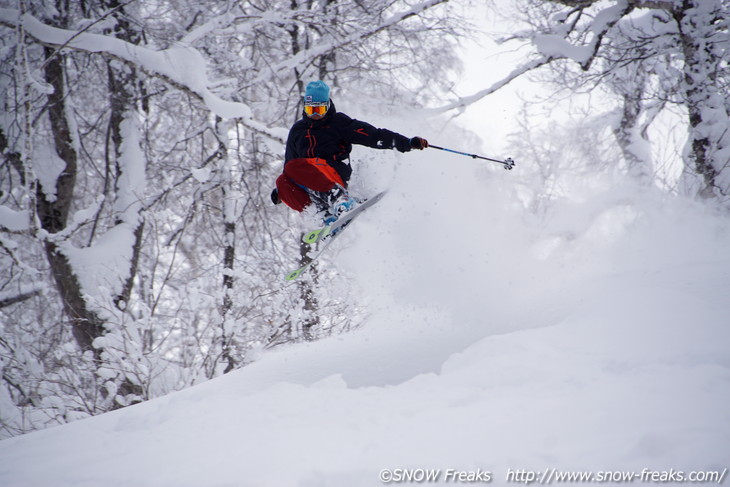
362	133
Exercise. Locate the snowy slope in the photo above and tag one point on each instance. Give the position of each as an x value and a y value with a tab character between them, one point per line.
595	339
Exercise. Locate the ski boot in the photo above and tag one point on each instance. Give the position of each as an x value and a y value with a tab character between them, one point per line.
343	204
330	205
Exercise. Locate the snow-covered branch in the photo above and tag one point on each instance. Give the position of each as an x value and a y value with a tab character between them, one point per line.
464	102
27	292
324	48
182	67
678	47
558	47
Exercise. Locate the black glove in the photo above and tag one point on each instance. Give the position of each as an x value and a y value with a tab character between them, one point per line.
402	144
418	143
275	197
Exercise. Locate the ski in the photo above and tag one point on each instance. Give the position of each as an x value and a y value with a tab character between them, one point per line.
331	230
293	275
329	233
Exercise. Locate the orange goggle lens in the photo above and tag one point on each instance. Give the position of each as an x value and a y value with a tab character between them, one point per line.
318	109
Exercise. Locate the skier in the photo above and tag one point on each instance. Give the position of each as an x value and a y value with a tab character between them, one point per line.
316	167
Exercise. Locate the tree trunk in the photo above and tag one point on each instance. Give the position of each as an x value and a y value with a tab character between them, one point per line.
123	90
311	304
53	212
228	206
708	116
629	132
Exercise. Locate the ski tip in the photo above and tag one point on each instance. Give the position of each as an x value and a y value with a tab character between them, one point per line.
317	235
294	274
313	236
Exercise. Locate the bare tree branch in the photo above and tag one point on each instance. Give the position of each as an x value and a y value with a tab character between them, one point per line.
464	102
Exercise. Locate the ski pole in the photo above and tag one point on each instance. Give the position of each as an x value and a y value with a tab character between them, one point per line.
508	163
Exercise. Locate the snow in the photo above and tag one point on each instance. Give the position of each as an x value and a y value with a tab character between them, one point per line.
607	16
131	183
13	221
48	167
104	265
556	46
552	45
592	340
101	267
202	175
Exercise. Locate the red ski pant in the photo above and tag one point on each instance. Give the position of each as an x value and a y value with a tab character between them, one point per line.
313	173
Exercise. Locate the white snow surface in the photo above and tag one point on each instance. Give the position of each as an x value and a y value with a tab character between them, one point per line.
15	221
594	339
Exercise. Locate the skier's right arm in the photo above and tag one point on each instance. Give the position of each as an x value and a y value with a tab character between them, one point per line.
359	132
362	133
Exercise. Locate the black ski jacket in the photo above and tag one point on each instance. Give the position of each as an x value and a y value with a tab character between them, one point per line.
331	139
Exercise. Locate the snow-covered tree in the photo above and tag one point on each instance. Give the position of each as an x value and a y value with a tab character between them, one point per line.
140	142
651	56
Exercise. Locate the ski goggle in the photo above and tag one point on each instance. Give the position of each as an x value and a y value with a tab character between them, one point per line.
318	108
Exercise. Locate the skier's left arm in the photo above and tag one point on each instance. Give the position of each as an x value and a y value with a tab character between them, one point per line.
362	133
